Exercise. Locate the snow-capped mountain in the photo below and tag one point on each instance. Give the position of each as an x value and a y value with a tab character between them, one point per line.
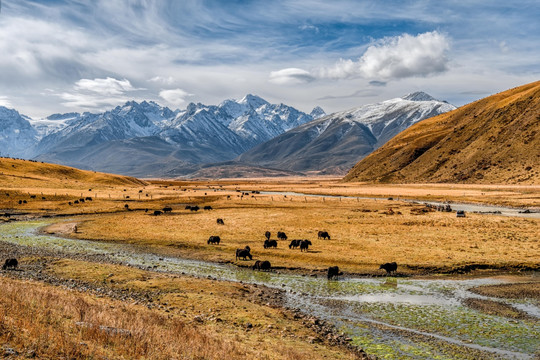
199	134
17	136
53	123
252	120
123	122
336	142
317	113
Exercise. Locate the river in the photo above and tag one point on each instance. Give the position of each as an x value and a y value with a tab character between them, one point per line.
390	317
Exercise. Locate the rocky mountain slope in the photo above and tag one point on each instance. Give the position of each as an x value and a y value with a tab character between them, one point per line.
333	144
493	140
17	135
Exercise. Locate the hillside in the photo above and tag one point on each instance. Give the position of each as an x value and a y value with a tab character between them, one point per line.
334	143
493	140
25	173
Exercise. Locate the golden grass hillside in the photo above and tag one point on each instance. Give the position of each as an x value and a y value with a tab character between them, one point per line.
31	174
494	141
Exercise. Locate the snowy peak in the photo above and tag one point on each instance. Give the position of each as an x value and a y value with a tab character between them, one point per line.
253	101
419	96
17	136
317	112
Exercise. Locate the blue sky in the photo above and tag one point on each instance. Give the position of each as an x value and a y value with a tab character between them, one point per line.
62	56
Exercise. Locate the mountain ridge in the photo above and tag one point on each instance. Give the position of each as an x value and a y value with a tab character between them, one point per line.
334	143
492	140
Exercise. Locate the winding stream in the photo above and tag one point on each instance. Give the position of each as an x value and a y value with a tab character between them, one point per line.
392	318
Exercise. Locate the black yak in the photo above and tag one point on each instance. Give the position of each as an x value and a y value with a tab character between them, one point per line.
167	209
262	265
220	222
304	245
270	243
194	208
188	207
214	240
208	207
294	244
10	264
333	272
157	212
244	253
281	235
389	267
323	235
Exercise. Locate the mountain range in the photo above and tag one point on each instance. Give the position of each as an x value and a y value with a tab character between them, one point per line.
493	140
249	136
334	143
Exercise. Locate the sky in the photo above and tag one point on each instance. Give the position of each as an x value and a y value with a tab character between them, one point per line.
61	56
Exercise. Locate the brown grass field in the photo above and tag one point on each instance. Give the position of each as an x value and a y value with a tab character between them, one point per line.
365	233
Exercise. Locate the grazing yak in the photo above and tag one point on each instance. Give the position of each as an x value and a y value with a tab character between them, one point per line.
270	243
389	267
304	245
214	240
323	235
220	222
167	209
267	235
294	244
194	208
157	212
188	207
333	272
281	235
10	264
208	207
262	265
244	253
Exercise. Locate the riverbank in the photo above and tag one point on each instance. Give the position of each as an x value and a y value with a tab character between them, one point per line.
239	313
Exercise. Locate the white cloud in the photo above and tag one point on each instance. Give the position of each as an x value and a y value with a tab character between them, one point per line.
108	86
97	93
169	80
291	76
4	101
174	96
396	57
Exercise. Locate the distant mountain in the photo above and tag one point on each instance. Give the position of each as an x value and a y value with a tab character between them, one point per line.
53	123
493	140
18	137
334	143
123	122
123	139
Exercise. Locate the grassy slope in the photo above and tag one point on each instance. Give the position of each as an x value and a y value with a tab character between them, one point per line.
493	140
30	174
182	323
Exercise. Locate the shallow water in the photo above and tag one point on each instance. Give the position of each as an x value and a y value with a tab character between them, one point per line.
392	318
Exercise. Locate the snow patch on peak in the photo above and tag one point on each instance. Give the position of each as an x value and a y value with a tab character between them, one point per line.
317	112
419	96
253	100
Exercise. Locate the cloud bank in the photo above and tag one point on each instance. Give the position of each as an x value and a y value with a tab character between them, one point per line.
390	58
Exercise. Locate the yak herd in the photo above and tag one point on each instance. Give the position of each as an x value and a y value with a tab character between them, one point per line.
245	253
302	244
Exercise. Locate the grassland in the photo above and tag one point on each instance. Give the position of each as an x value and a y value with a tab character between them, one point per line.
364	233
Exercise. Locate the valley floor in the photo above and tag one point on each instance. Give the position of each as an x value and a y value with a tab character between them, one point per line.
235	319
